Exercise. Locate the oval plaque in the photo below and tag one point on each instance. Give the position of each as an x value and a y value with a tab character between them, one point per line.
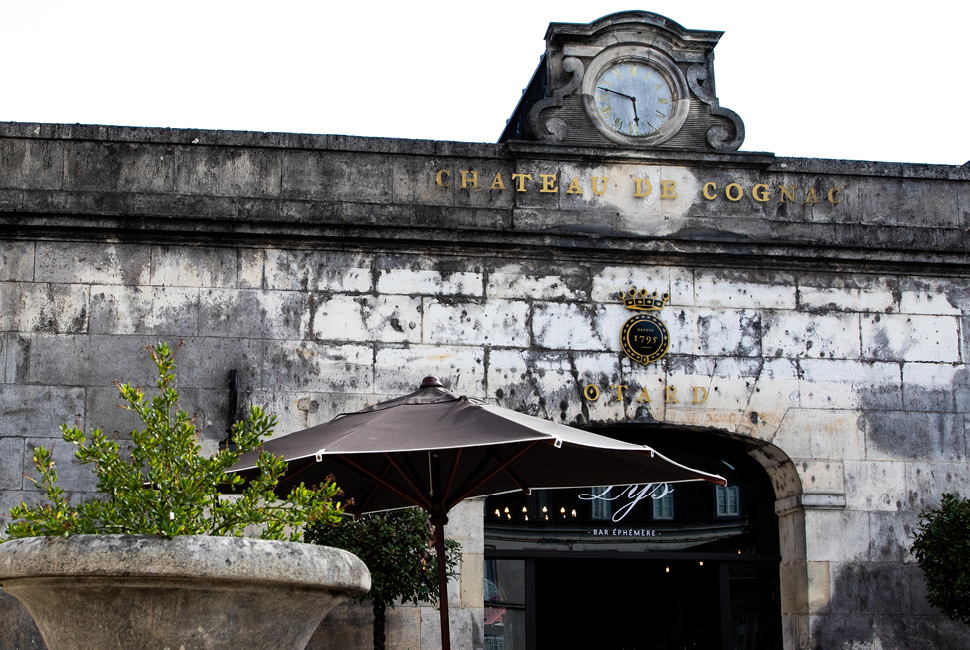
645	338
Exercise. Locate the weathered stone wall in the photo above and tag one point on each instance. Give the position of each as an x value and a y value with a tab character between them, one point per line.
332	273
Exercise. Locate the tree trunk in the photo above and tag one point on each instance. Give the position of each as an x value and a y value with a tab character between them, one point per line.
379	621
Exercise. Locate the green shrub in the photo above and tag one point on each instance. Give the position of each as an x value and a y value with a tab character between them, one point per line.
942	549
165	486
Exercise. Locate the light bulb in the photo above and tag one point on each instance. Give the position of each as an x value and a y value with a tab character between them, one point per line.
527	517
668	570
524	509
544	509
574	513
506	509
562	510
497	513
702	563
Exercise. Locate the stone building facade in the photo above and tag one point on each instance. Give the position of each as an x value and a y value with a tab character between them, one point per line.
821	305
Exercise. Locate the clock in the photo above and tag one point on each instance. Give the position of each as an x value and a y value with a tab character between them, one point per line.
634	98
635	95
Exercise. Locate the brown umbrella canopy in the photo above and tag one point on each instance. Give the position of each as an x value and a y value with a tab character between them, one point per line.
433	449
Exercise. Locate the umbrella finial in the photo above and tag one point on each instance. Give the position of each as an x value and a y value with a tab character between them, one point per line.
431	382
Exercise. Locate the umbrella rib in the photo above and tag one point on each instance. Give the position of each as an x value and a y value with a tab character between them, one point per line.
466	490
306	466
414	473
404	475
451	475
511	475
370	495
379	480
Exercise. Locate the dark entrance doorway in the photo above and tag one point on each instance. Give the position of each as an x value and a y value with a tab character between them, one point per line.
626	605
639	567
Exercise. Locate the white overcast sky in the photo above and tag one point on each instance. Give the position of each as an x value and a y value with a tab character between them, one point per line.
848	79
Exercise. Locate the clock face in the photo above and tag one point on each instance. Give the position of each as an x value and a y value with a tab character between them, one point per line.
633	98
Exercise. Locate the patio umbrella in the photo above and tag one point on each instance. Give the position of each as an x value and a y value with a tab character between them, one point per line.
433	449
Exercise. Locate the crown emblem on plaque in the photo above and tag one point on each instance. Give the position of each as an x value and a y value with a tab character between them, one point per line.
643	301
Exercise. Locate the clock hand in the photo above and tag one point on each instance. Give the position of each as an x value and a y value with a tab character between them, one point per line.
633	99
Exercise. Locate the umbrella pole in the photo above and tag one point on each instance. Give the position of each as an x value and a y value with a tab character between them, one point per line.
439	522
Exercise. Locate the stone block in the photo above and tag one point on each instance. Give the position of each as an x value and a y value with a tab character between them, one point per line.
317	367
287	270
119	167
414	180
95	263
851	544
822	476
329	176
472	578
875	486
927	482
429	282
935	387
899	337
16	358
892	535
11	463
467	628
54	308
851	299
466	526
520	282
228	171
611	280
826	631
873	588
796	334
915	631
32	164
497	323
701	331
928	296
549	385
192	266
158	311
296	410
16	261
205	362
565	326
351	627
399	370
254	314
818	586
94	360
724	289
821	434
385	319
847	384
915	435
38	411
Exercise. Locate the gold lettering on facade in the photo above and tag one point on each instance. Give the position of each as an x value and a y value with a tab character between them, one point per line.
591	392
644	396
619	390
639	191
787	193
811	197
697	391
733	196
574	187
709	191
521	178
596	180
760	193
668	189
439	179
670	395
469	180
832	194
548	183
498	183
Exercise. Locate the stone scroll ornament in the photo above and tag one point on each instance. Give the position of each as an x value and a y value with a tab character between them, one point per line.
555	129
644	337
718	136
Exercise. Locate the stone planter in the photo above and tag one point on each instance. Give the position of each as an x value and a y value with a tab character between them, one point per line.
122	592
